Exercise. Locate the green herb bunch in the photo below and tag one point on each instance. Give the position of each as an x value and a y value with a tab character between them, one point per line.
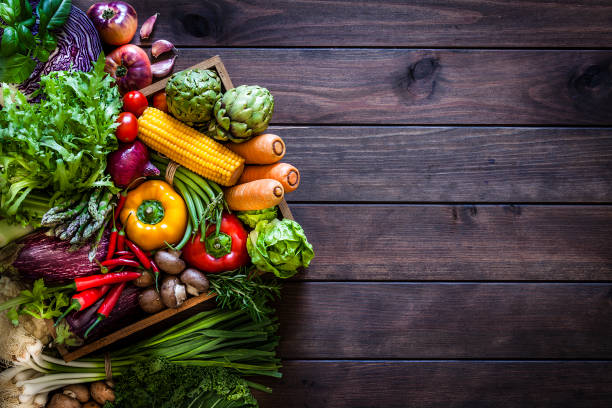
20	48
243	289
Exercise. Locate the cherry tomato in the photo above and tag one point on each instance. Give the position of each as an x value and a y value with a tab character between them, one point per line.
128	127
135	102
159	101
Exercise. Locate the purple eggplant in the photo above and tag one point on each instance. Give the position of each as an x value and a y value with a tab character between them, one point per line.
126	311
40	256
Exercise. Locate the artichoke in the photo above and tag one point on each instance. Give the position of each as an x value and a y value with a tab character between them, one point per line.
191	95
241	113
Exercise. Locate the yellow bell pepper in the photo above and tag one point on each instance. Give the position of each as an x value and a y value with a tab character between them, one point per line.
153	215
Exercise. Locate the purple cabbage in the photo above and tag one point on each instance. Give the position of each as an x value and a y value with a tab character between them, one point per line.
78	47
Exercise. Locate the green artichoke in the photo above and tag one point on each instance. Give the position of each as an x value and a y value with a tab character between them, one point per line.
191	95
241	113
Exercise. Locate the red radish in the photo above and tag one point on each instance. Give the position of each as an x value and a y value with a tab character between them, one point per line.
129	162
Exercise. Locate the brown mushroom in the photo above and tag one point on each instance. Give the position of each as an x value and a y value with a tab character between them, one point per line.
150	301
195	280
79	392
173	292
63	401
169	261
145	280
91	404
101	392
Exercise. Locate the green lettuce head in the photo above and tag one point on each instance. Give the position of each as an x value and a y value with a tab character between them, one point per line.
251	218
280	247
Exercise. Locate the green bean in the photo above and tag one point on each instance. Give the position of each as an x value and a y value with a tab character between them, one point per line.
183	242
190	206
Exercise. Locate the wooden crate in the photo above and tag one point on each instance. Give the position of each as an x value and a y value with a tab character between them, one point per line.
213	63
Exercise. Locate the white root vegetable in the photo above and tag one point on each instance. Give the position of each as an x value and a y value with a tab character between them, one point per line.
24	375
41	399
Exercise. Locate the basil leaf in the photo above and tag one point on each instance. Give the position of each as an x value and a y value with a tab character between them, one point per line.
25	36
15	5
41	54
9	42
49	42
6	14
53	13
29	22
16	68
26	10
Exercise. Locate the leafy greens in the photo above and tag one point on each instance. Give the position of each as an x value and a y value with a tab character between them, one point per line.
19	45
280	247
252	217
159	383
60	144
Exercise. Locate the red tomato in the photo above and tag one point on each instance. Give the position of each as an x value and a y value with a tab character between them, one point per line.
130	66
128	127
159	101
135	102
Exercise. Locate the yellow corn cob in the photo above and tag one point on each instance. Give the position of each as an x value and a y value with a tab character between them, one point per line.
189	148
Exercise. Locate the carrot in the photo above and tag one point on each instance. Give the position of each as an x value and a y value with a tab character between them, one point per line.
288	175
254	195
263	149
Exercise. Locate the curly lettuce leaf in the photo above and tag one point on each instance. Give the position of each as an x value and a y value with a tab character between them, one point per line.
280	247
60	144
251	218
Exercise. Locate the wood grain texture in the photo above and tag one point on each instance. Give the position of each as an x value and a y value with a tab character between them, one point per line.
446	384
448	321
412	87
457	242
429	164
386	23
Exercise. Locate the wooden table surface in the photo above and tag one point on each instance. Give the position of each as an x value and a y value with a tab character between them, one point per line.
456	160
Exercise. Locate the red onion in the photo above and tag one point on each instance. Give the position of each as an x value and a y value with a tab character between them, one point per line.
147	27
129	162
115	21
162	68
161	46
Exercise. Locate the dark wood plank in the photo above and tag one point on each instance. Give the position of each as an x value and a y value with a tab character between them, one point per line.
428	164
462	242
401	384
450	321
396	23
390	86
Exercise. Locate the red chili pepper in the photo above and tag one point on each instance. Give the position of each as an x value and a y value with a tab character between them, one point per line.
107	306
155	273
218	253
142	257
112	242
124	254
113	263
93	281
83	300
120	203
